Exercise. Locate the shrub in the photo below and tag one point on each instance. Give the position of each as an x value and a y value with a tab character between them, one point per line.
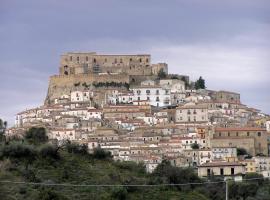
76	148
49	151
101	154
36	135
18	151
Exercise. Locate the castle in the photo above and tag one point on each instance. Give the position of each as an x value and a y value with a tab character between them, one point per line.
92	63
86	68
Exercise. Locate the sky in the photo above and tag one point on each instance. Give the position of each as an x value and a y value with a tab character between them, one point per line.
226	42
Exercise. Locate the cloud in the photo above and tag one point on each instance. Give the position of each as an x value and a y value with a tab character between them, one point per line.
227	42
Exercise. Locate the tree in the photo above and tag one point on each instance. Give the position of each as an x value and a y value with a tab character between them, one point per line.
36	135
161	74
200	83
101	154
241	152
195	146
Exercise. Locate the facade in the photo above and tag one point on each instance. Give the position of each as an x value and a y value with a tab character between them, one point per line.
156	95
191	114
221	153
86	63
77	96
230	169
263	165
253	139
226	96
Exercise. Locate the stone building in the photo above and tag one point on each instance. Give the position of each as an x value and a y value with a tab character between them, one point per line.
253	139
86	63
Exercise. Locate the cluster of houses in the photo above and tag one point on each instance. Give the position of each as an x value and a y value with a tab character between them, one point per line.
157	120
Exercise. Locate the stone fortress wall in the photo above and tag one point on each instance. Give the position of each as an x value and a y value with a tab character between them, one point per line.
90	67
64	84
84	63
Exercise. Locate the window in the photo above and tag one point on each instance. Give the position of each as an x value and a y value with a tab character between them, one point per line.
157	91
147	60
130	60
208	172
248	134
138	92
94	60
78	59
147	92
219	134
232	171
86	58
140	60
259	134
105	60
121	61
139	98
221	171
157	99
148	98
237	134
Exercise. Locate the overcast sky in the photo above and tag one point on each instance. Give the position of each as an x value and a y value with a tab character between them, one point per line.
226	41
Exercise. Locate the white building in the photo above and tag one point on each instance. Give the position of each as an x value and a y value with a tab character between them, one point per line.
263	165
175	85
156	95
77	96
62	134
221	153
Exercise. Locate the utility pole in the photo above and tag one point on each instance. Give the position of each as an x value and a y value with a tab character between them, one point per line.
227	190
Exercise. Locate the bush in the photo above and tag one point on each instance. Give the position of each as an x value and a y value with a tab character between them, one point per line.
36	135
49	151
101	154
76	148
195	146
18	151
119	193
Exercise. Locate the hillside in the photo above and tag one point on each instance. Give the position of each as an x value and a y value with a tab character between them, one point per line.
77	167
34	160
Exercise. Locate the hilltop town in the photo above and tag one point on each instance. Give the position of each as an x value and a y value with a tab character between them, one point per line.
136	110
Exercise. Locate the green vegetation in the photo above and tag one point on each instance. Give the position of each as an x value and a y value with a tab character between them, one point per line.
195	146
35	160
111	84
3	126
200	83
241	152
161	74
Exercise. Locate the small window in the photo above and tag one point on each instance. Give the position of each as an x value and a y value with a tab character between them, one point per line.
78	58
147	60
86	58
232	171
221	171
70	58
248	134
140	60
94	60
259	134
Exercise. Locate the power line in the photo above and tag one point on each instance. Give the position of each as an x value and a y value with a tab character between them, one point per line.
124	185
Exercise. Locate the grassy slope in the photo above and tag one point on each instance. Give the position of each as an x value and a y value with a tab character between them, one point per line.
80	169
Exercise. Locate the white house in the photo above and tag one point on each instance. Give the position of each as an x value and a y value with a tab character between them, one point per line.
156	95
77	96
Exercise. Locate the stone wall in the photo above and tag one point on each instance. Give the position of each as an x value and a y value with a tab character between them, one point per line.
64	84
